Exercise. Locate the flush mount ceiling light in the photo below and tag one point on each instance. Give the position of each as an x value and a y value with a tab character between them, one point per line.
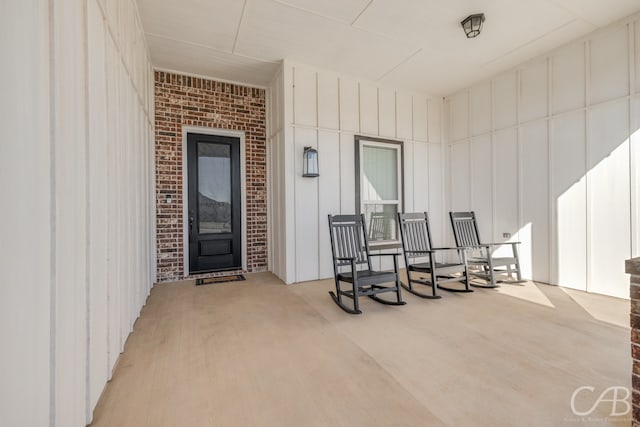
472	25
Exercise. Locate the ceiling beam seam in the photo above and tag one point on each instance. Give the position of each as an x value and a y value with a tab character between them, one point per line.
235	41
361	12
398	65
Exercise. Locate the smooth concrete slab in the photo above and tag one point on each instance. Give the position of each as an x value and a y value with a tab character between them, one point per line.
259	353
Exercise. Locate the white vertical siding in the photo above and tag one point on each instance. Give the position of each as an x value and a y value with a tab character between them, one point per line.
326	110
25	229
69	103
609	201
564	169
76	109
568	198
534	232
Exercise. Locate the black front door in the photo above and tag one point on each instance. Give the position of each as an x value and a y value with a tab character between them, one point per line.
213	165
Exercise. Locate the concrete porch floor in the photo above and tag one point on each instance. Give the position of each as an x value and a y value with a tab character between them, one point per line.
258	353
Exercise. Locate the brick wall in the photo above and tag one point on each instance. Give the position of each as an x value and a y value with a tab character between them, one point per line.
189	101
633	268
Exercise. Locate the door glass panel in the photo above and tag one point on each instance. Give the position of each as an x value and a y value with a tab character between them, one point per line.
381	222
214	188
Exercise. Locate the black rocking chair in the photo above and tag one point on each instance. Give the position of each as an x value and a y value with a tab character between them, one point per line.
484	264
352	264
416	243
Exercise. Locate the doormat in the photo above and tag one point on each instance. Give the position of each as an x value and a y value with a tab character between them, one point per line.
221	279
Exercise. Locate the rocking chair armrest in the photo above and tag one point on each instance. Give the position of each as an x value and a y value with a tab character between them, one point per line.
387	254
500	244
345	258
487	246
419	252
448	249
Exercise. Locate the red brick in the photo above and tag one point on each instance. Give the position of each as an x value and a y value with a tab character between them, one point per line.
184	100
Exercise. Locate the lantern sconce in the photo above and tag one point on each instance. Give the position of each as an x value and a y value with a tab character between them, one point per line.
310	162
472	25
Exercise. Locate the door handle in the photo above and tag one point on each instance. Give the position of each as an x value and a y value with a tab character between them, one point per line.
191	219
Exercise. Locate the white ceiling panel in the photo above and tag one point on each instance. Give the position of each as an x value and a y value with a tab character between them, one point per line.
203	61
600	12
410	44
272	31
436	23
421	72
209	23
342	10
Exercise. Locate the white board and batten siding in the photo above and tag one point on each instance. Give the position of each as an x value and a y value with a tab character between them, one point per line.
546	152
325	111
78	244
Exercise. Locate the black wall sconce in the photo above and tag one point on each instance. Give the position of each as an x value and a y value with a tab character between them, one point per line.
310	162
472	25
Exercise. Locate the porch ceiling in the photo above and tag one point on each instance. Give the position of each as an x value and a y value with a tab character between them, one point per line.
411	44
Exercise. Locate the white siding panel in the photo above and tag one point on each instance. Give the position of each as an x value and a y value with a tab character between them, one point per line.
368	109
534	231
609	66
70	334
504	101
98	350
347	174
420	118
506	188
459	113
387	112
304	93
328	101
306	196
420	176
637	54
480	109
568	79
435	116
569	195
438	217
25	184
408	165
113	228
404	115
610	231
460	177
482	185
328	196
349	106
533	91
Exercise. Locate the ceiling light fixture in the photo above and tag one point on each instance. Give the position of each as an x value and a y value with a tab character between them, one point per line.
472	25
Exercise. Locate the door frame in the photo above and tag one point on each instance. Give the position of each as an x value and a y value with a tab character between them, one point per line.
185	189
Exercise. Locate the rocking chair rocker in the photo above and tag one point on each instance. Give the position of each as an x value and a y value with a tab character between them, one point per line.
352	264
465	232
416	243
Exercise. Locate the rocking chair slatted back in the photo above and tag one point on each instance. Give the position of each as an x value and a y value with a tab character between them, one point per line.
348	239
465	229
416	234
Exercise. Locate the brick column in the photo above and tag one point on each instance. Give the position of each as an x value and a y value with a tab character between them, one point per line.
633	268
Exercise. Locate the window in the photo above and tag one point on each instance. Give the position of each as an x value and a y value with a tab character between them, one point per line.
379	186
